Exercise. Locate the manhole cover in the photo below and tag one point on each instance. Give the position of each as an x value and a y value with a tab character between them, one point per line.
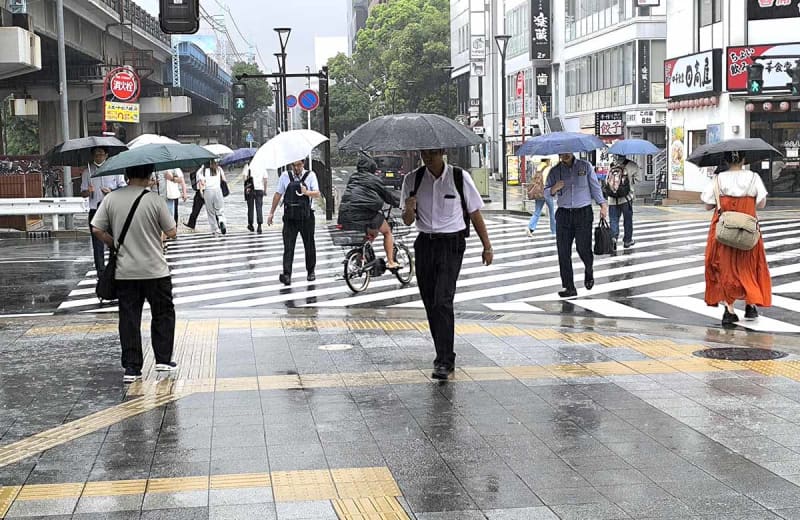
336	346
740	354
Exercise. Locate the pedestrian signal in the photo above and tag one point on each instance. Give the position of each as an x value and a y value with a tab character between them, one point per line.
755	78
794	86
179	16
239	96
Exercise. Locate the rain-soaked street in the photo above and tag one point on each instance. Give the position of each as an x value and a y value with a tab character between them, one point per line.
291	404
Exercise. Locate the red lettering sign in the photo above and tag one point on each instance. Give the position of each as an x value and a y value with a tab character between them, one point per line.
124	85
775	58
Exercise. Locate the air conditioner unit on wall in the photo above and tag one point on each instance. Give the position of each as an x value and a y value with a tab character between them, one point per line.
25	108
20	52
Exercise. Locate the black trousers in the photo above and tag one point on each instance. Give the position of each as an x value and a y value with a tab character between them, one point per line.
132	295
290	230
438	262
256	202
197	205
574	225
98	247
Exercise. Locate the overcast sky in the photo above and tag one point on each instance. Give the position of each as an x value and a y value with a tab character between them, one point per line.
256	18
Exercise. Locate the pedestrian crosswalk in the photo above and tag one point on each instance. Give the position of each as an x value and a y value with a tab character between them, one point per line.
659	279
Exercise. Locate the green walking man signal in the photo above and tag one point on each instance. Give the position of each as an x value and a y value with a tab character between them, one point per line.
755	78
794	86
239	96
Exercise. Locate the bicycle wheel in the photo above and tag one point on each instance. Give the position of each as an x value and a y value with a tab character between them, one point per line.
402	256
355	276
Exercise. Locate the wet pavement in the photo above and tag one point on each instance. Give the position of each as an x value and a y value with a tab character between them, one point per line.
302	416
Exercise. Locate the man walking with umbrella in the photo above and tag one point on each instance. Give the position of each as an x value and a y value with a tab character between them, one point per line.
575	183
442	199
95	189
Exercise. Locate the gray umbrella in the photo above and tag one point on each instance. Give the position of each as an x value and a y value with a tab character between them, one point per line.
408	132
161	156
78	152
754	150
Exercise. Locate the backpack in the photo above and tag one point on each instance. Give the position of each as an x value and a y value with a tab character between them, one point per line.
458	180
617	184
296	206
536	187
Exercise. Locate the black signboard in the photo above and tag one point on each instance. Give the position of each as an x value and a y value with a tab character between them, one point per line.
609	124
643	71
772	9
543	81
541	31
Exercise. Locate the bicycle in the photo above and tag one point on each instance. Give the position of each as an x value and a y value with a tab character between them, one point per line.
360	262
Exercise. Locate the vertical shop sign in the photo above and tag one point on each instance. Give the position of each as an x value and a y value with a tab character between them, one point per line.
676	155
541	32
643	69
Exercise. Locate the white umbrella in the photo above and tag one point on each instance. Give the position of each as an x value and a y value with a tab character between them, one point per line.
218	149
150	139
286	148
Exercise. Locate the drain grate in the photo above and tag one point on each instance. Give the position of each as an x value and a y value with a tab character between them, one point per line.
740	354
478	316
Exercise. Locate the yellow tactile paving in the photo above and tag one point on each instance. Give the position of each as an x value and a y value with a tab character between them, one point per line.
50	491
114	488
295	486
171	485
7	496
373	508
239	481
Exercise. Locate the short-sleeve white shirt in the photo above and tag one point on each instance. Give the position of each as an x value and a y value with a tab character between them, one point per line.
258	175
736	183
211	181
311	181
438	203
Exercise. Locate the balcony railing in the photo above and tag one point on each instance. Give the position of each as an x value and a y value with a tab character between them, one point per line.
139	17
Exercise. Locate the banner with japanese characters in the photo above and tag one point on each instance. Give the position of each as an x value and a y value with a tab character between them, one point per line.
541	32
693	75
609	124
772	9
778	62
643	66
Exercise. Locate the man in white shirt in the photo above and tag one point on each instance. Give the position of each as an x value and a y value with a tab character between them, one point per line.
255	200
95	189
297	187
442	213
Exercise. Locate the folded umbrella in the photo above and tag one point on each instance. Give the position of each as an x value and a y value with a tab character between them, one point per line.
238	155
150	139
754	150
560	142
161	156
633	147
408	132
78	152
286	148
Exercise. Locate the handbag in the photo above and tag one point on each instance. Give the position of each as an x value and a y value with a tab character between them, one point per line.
249	188
735	229
224	187
602	238
106	288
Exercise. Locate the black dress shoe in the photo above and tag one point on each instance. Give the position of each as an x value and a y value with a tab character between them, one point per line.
285	279
311	277
250	228
588	283
441	372
729	319
259	229
568	293
750	312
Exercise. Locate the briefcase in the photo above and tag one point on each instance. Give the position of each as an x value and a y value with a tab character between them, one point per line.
603	244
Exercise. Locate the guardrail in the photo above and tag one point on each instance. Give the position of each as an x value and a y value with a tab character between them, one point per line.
54	206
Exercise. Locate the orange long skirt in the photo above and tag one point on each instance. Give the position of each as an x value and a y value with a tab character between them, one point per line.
733	274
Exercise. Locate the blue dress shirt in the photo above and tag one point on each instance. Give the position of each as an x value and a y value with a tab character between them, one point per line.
581	185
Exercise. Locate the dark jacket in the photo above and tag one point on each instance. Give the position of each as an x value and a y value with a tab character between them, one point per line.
364	198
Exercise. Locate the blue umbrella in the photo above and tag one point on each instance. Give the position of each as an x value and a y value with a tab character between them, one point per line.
242	154
560	142
633	147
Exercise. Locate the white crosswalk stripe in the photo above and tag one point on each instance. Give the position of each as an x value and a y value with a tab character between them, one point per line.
660	278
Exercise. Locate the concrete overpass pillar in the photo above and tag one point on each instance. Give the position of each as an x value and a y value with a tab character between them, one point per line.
50	123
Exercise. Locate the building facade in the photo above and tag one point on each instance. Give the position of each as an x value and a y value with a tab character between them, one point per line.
356	20
711	44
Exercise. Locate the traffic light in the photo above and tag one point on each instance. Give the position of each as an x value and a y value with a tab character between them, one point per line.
755	78
179	16
239	97
794	85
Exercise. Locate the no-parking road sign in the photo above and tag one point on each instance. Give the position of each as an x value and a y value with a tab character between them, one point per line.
308	100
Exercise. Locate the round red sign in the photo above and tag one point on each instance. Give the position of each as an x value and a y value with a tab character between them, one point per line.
124	85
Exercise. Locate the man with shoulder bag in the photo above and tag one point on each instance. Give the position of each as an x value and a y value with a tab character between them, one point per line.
130	222
296	187
618	189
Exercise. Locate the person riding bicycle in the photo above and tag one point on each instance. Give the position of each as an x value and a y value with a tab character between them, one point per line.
361	207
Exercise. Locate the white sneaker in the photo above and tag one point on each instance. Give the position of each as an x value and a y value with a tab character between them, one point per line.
530	232
166	367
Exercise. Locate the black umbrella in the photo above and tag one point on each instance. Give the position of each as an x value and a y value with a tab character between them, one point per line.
754	150
401	132
78	152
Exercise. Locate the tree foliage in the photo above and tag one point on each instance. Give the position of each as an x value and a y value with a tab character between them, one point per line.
396	65
259	98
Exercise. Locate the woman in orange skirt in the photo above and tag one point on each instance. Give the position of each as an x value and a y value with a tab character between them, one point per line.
733	274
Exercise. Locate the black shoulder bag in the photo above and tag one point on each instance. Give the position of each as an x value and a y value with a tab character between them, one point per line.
106	288
458	180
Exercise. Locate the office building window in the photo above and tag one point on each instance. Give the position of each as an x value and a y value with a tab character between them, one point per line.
710	12
600	80
584	17
518	26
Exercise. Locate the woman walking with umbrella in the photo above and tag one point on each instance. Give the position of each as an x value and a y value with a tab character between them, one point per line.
209	181
731	273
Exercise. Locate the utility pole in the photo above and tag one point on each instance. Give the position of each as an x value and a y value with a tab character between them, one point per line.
326	130
62	87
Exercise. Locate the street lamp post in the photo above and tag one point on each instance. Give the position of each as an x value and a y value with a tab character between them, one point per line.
502	44
449	71
280	101
410	87
283	37
393	90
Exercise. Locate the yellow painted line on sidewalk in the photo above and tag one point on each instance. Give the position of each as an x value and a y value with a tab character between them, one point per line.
357	493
